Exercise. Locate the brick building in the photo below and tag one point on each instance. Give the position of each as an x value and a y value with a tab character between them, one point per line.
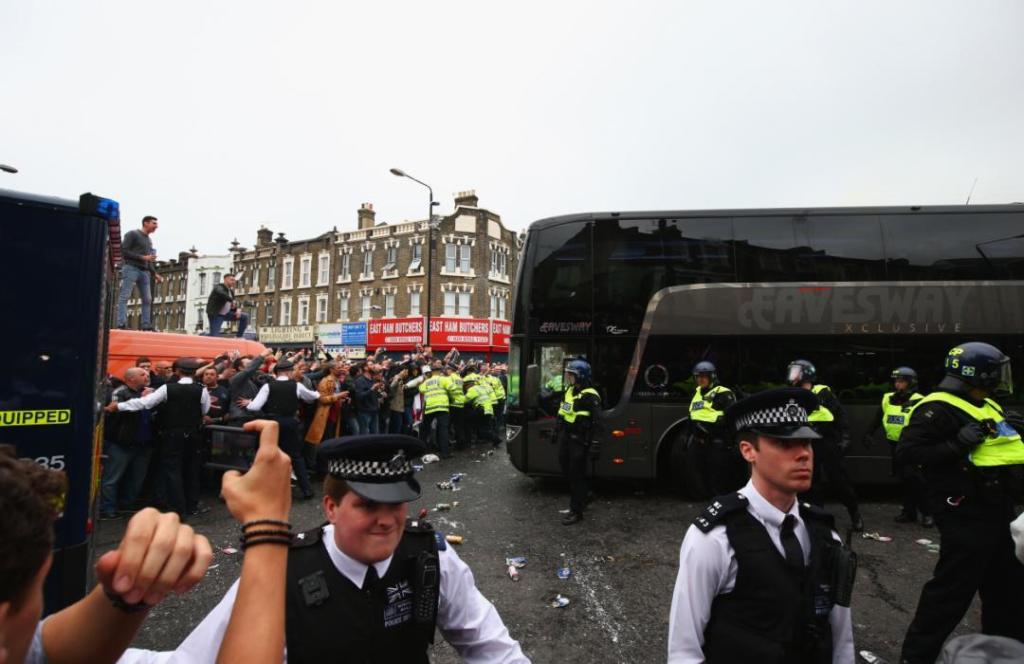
169	297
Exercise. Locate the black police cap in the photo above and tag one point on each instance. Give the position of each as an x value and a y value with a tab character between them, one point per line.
186	364
377	467
284	365
779	413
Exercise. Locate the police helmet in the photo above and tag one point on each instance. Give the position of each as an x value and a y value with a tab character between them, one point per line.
705	367
580	368
801	371
907	374
982	366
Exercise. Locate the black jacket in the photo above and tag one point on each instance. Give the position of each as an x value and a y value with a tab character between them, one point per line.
219	296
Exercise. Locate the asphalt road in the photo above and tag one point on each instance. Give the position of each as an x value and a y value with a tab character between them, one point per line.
623	557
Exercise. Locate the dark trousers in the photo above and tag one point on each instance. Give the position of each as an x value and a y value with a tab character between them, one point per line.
976	557
291	445
441	417
484	426
460	426
573	458
913	488
396	421
828	461
124	471
180	464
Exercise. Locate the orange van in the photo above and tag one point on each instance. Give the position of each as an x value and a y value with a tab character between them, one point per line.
128	345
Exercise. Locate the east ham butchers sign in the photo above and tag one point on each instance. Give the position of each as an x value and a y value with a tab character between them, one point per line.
900	308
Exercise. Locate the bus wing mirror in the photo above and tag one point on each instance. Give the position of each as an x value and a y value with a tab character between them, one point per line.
531	386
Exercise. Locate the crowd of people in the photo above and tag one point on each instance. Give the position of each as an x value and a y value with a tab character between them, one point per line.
157	414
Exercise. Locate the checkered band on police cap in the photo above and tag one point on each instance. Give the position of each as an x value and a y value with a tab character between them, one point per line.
787	414
397	468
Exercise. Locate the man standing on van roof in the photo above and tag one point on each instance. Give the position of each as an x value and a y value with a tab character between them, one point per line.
139	264
221	307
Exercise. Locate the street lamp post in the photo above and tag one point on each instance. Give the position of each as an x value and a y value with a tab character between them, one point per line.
397	172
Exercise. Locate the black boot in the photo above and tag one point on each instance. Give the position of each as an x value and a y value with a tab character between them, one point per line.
856	521
572	518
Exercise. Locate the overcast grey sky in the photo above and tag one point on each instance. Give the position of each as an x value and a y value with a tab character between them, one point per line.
219	116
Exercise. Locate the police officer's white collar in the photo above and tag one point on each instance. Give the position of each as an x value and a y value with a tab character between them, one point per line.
353	570
185	380
281	377
768	512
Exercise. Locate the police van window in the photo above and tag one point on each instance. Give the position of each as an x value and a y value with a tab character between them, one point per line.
635	258
666	366
964	246
560	283
855	367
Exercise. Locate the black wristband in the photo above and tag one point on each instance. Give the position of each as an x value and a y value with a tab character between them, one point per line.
286	534
124	606
266	540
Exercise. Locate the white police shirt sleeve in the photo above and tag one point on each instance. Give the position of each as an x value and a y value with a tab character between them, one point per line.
148	402
468	621
260	399
306	394
706	567
841	623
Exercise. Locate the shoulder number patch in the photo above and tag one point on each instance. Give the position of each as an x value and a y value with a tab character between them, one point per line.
718	509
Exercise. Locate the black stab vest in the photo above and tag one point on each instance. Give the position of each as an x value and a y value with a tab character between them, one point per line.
772	615
183	408
329	619
282	400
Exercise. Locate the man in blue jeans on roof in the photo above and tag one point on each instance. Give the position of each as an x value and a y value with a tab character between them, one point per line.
139	264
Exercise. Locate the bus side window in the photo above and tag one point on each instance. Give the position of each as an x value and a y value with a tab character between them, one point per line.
551	358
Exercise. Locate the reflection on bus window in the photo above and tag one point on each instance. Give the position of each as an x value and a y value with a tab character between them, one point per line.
552	358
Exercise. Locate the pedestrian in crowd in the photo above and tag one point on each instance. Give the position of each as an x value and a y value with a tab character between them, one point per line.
574	432
157	556
326	422
434	390
245	384
396	399
830	420
128	443
709	449
456	407
220	400
163	372
892	417
144	363
763	577
368	399
221	307
138	269
279	401
183	403
370	585
972	455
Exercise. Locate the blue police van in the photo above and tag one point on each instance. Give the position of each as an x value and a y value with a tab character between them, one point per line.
58	275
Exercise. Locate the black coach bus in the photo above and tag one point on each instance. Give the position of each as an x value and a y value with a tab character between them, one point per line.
644	296
57	270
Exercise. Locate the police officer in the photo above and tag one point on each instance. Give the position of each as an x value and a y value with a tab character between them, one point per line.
457	406
279	399
434	390
830	420
758	570
972	456
369	585
709	457
481	411
892	417
182	403
574	432
499	399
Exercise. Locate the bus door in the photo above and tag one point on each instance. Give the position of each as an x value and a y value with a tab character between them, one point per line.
550	358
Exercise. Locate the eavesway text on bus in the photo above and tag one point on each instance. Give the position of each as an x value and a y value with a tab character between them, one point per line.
860	310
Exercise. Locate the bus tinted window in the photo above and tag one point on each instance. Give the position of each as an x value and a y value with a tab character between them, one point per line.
815	248
955	246
560	284
611	357
666	368
633	259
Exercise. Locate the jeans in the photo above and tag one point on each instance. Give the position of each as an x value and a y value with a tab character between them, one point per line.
124	471
369	421
396	423
130	275
218	320
350	426
441	417
180	460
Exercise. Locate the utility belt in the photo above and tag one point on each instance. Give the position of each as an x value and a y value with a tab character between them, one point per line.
996	485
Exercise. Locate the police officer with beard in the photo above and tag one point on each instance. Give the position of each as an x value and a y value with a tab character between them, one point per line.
972	456
574	431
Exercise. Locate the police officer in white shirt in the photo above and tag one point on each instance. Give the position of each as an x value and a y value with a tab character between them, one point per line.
763	578
370	586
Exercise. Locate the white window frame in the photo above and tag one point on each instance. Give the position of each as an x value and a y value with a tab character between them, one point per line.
345	268
323	270
414	303
389	305
303	311
305	272
286	311
367	272
268	313
450	303
465	258
391	258
272	275
287	273
366	307
321	308
343	308
464	301
202	283
416	262
451	257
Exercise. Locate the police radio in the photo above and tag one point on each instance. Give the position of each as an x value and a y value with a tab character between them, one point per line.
426	588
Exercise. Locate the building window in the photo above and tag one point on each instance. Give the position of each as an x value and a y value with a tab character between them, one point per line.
498	303
389	305
272	275
464	253
286	312
367	265
202	283
216	280
181	285
345	272
494	306
456	304
417	258
305	266
367	313
414	304
391	260
324	270
256	276
268	316
343	307
303	311
321	308
451	252
287	268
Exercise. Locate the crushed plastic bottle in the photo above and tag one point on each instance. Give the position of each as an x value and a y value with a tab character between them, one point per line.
430	458
454	539
513	572
517	561
444	486
559	602
871	658
442	507
564	573
456	477
876	537
923	542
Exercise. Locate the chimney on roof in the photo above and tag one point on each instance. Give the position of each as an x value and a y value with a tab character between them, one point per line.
366	216
467	198
183	256
264	237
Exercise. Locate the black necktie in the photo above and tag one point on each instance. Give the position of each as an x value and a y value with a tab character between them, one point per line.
791	545
371	578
